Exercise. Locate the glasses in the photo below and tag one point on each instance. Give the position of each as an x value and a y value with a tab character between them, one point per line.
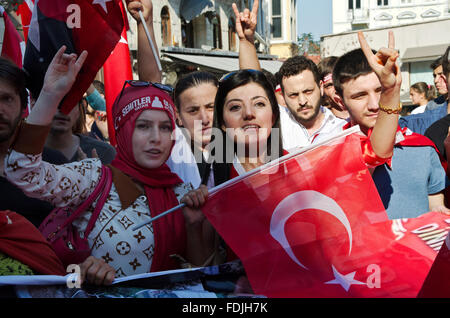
228	75
134	83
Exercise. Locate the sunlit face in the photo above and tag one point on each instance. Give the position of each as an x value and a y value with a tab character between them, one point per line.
302	96
64	123
329	93
416	97
361	98
10	111
248	111
197	112
151	141
439	80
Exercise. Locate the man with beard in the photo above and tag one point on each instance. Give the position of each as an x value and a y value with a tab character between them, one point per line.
325	67
304	121
13	101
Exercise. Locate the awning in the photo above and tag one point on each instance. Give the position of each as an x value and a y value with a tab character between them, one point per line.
424	53
190	9
219	63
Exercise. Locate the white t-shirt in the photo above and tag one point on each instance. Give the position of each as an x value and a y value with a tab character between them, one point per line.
296	135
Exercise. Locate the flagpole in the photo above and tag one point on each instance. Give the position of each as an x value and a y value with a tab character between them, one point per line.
344	133
155	53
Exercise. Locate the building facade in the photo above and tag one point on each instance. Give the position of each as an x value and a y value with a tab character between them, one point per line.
419	44
351	15
187	29
283	21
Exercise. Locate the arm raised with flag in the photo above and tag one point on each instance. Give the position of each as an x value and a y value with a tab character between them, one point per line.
148	67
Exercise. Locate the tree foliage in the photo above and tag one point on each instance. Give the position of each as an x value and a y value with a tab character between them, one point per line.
307	45
10	5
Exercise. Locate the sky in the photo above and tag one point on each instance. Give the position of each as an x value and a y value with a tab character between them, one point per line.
314	16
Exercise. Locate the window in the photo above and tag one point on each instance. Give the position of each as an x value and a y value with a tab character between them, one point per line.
383	2
217	32
232	35
165	27
187	33
276	19
354	4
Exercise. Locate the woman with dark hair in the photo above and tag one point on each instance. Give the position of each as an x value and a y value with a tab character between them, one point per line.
194	97
421	93
247	113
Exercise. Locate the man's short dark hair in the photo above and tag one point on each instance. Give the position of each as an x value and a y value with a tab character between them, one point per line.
99	86
436	63
326	66
350	66
16	78
296	65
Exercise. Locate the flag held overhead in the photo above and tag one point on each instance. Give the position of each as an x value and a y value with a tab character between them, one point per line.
98	32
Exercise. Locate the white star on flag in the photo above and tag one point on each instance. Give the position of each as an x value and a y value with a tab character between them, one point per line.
344	280
102	3
122	40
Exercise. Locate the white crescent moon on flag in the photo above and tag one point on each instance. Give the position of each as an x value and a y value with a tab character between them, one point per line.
296	202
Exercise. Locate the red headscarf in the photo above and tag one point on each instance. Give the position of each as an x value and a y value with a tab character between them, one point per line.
158	183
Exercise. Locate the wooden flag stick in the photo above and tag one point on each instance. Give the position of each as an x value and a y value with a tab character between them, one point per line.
155	52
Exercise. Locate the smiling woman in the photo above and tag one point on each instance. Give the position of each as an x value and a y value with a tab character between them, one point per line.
247	113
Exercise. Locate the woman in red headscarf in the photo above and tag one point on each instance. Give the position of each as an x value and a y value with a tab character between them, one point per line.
142	187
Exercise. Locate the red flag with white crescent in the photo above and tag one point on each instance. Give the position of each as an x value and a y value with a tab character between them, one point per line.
116	70
313	225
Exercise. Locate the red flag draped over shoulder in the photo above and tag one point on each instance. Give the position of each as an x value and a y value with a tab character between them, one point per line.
116	71
91	25
313	225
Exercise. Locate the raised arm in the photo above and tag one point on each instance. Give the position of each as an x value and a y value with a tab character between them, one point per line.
147	65
245	28
385	67
59	78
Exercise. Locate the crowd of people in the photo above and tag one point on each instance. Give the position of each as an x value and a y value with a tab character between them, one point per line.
55	160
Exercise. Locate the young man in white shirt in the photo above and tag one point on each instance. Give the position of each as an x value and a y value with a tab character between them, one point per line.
304	121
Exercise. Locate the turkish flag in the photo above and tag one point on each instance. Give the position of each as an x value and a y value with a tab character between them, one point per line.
91	25
116	71
25	12
12	41
312	225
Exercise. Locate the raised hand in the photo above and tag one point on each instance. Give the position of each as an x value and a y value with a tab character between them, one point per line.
383	62
146	6
246	22
62	72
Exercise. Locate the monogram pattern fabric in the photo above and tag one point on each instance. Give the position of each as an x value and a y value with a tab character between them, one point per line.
112	238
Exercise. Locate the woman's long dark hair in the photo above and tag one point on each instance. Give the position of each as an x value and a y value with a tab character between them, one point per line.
238	79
